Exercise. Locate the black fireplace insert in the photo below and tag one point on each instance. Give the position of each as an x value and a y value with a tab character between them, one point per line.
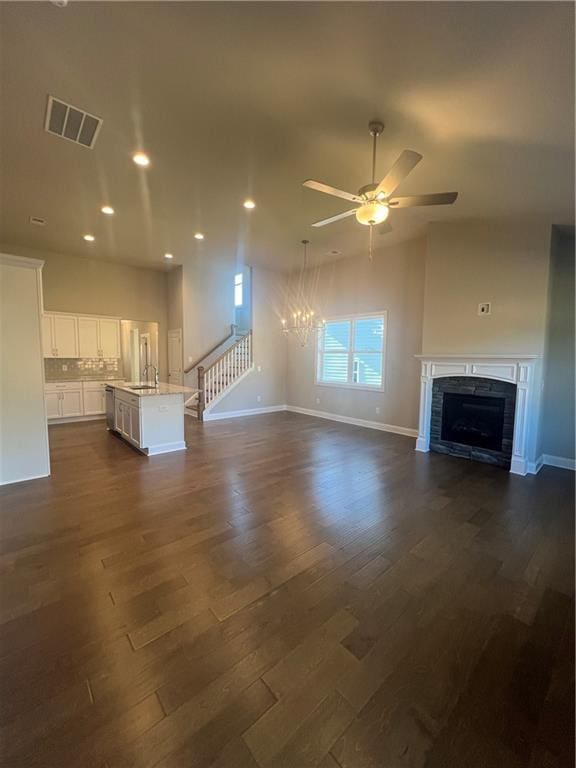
473	420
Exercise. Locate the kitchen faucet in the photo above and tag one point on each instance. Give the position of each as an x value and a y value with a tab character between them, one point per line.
149	365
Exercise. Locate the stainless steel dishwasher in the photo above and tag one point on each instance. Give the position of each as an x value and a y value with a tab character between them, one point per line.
109	407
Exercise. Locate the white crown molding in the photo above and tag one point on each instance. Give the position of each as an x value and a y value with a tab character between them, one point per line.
8	260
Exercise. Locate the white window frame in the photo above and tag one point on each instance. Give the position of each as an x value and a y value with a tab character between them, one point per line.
239	282
349	384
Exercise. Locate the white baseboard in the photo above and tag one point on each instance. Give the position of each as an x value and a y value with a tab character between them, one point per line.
211	416
71	419
558	461
24	479
156	450
407	432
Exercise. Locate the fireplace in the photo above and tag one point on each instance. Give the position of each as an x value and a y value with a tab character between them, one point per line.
482	375
473	418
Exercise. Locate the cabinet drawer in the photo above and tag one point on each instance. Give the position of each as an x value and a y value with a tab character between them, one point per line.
125	397
58	386
94	386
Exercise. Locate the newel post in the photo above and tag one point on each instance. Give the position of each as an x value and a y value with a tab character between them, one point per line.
201	393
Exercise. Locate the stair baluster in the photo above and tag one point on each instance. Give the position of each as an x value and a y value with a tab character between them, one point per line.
221	374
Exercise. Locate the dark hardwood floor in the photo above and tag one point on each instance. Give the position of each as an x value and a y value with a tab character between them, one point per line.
288	592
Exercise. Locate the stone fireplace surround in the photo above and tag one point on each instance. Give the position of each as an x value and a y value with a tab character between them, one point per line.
523	371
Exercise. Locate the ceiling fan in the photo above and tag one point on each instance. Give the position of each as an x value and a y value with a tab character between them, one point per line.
374	201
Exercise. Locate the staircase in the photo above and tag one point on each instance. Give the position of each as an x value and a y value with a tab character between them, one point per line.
219	376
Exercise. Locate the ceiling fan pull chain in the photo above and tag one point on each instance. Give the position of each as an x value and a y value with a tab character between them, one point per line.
370	244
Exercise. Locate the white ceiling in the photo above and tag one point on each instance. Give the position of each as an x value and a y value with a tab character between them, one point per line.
239	99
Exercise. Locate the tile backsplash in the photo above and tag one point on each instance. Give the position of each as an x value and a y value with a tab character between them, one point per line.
87	368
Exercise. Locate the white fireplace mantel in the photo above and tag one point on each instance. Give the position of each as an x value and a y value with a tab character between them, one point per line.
522	370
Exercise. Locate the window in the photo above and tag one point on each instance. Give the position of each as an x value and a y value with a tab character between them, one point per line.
238	289
351	352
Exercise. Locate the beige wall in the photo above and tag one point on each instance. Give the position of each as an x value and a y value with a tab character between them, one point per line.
73	284
393	281
469	263
269	348
23	429
174	298
557	418
208	304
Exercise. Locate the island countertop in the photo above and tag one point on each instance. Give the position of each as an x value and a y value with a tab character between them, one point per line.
163	388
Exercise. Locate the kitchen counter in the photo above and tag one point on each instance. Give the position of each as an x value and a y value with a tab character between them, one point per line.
163	388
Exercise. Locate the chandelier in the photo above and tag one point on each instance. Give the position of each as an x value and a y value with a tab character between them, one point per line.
304	320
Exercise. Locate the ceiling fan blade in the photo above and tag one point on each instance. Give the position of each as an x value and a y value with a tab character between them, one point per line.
440	198
384	229
319	187
339	216
401	168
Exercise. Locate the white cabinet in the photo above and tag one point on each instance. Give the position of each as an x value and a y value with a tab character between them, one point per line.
52	404
60	335
88	336
94	401
47	336
64	399
109	331
72	336
99	337
127	417
71	403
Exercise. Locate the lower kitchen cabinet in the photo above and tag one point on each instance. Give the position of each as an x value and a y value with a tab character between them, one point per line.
71	403
64	399
52	404
127	419
71	399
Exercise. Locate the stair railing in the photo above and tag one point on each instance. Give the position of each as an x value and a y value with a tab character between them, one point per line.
223	372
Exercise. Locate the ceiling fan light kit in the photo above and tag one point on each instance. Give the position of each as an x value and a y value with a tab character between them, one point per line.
374	200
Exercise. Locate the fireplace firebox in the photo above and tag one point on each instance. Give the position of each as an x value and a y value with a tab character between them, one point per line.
473	420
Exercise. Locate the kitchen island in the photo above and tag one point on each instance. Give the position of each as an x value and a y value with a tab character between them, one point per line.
149	416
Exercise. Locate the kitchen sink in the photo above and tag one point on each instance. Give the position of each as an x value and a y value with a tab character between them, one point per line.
142	386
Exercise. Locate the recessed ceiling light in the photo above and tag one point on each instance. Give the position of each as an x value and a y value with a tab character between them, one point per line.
249	204
199	236
168	256
89	238
107	209
141	159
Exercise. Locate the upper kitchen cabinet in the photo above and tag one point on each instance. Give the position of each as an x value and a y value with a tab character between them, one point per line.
109	331
99	337
60	335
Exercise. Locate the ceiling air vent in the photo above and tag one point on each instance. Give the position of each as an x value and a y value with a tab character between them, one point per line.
37	221
71	123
